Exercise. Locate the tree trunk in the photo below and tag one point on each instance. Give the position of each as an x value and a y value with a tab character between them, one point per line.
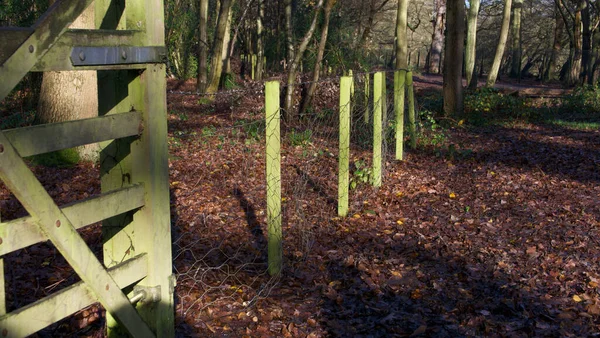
471	48
293	67
260	48
575	66
437	39
202	46
306	102
218	46
453	60
401	38
226	47
493	75
586	57
550	71
71	95
289	31
515	70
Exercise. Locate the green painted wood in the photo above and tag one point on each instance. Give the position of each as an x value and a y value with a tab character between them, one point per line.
346	84
23	232
51	26
152	223
412	124
30	192
253	71
46	138
273	164
384	105
46	311
377	127
351	74
367	116
399	90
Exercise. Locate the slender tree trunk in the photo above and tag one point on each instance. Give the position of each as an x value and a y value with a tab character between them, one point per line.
293	67
260	48
202	46
586	57
226	42
453	61
550	71
515	70
401	37
289	31
437	39
471	48
218	46
493	75
71	95
306	102
575	66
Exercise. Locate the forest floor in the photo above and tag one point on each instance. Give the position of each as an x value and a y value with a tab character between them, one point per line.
495	236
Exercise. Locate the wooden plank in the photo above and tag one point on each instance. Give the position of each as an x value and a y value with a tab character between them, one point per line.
377	127
63	135
273	165
10	39
399	90
2	284
59	229
36	316
49	28
23	232
346	87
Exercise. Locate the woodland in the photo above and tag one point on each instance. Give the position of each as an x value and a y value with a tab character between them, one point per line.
488	225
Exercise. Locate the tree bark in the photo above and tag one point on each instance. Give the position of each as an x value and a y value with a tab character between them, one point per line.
437	38
493	75
515	70
289	32
401	37
471	48
218	46
71	95
306	102
202	46
550	71
586	57
453	60
260	48
575	66
293	67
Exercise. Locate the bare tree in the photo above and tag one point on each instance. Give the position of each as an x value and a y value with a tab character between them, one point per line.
493	75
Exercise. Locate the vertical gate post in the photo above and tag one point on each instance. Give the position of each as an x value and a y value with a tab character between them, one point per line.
399	90
377	127
344	153
273	164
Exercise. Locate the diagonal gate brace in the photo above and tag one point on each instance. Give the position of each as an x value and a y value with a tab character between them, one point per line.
49	28
59	229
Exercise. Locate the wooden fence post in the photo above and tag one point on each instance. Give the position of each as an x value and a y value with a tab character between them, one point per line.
2	284
346	85
377	127
273	164
367	97
399	89
253	68
411	110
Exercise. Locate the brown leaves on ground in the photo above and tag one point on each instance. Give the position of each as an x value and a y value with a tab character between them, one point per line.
503	242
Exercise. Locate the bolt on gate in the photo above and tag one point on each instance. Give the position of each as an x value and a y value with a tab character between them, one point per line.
135	284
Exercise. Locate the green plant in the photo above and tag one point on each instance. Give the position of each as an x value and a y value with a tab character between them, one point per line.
254	130
431	133
209	131
18	120
361	174
300	138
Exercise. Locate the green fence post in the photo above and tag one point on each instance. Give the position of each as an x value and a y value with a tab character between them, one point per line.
367	97
2	285
411	111
399	81
377	127
254	64
273	164
346	84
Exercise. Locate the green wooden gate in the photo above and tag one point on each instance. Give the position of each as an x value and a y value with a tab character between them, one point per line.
135	284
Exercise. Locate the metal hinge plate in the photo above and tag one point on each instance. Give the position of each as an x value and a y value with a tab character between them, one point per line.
106	56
